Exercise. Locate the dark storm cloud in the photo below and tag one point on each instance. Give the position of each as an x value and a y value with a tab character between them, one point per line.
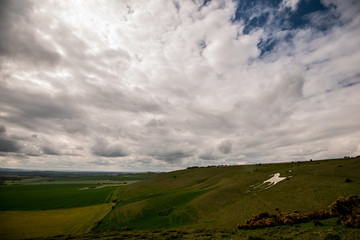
74	126
43	145
2	130
208	156
101	162
17	39
225	147
50	151
27	109
104	149
6	143
156	123
171	156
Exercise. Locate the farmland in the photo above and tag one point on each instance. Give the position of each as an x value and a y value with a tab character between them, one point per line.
52	196
42	204
30	224
22	177
198	202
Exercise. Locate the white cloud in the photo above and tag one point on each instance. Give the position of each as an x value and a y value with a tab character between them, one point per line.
159	86
292	4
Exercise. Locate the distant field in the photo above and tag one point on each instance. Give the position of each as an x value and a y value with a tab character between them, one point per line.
23	177
222	197
44	204
78	182
31	224
117	177
52	196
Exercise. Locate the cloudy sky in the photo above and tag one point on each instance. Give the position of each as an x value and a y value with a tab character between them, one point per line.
158	85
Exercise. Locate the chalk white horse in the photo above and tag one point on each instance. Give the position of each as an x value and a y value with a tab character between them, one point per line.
272	181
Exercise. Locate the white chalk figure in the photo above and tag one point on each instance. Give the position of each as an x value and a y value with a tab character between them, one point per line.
272	181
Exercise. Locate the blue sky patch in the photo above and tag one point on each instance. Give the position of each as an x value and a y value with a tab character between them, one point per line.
273	18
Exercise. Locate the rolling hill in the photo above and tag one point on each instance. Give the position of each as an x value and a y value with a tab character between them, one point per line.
194	203
221	197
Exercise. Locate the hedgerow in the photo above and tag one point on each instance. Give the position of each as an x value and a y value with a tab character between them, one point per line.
265	219
347	209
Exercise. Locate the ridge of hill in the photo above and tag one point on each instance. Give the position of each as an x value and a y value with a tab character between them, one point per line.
222	197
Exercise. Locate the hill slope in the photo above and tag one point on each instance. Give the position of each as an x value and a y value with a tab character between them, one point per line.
221	197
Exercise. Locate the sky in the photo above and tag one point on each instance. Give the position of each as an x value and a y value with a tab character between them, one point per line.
160	85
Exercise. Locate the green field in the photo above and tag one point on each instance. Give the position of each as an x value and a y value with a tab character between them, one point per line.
115	177
44	204
36	177
222	197
52	196
31	224
196	203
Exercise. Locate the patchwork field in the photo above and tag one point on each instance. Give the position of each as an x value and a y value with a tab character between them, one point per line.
44	204
194	203
112	178
52	196
31	224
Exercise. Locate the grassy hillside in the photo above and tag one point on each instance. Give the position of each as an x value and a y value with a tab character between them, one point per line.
221	197
197	203
329	231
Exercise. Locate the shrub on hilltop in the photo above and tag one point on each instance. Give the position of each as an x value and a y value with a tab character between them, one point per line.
266	219
347	209
345	206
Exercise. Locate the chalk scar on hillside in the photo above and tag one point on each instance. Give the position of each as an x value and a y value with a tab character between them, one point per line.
272	181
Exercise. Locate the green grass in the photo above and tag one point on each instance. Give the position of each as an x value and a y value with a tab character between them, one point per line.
31	224
199	203
52	196
307	230
162	211
221	197
329	231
